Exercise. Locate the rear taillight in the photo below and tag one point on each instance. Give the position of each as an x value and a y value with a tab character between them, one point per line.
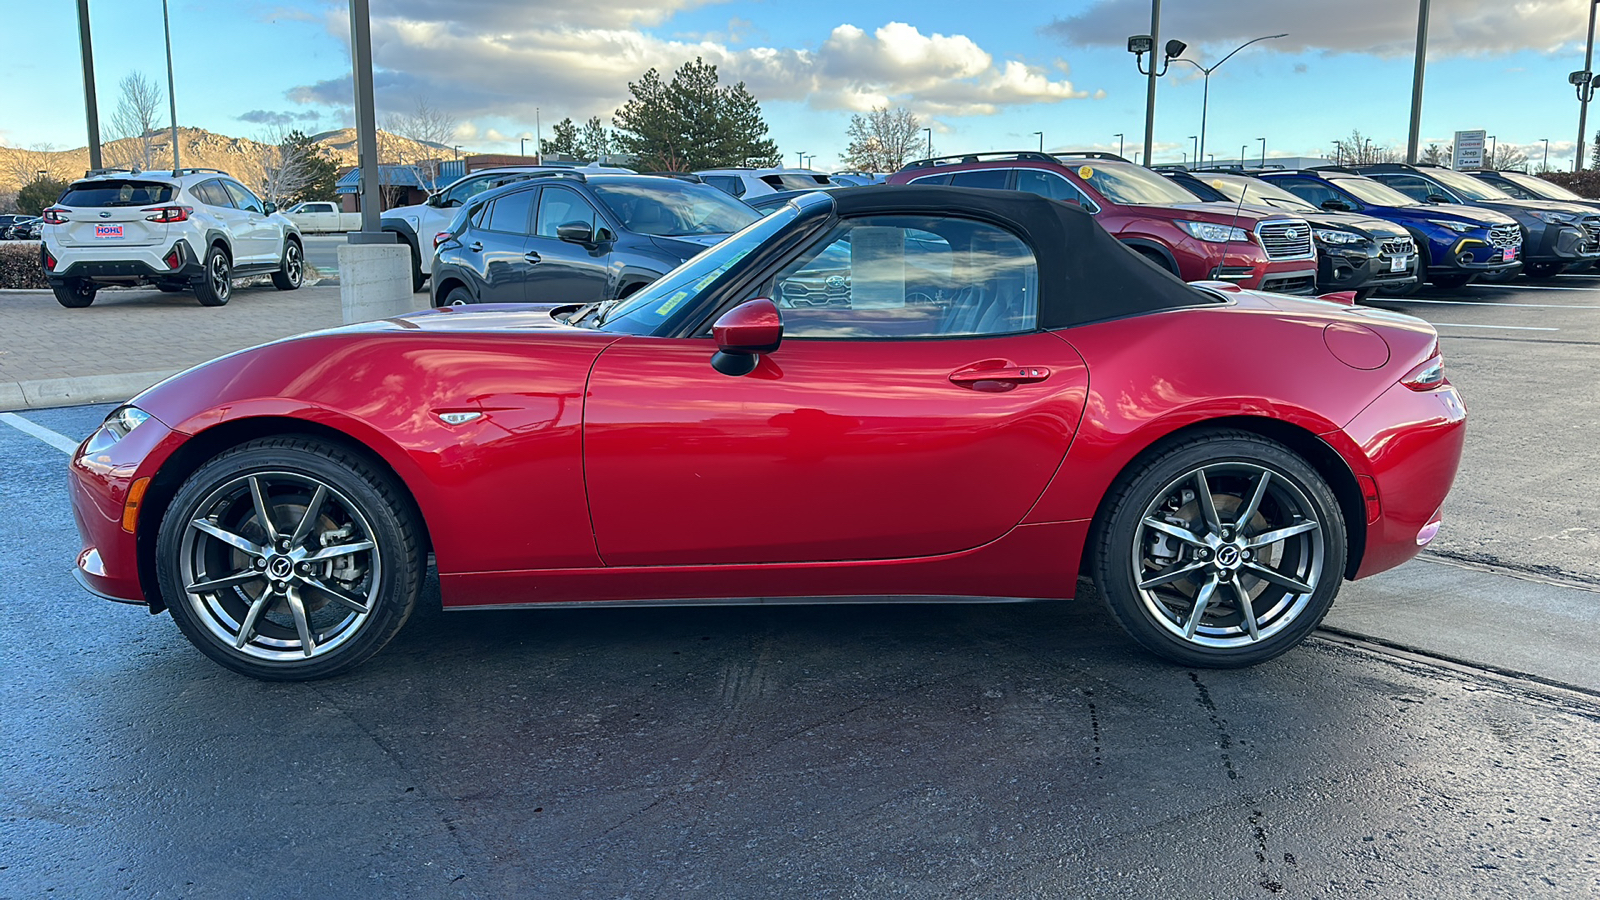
1427	376
440	238
169	213
54	216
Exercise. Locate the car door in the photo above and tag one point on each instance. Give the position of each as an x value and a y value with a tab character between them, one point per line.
496	250
563	271
918	413
219	203
257	239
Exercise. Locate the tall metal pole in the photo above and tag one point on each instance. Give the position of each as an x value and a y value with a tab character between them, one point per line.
1150	91
1119	138
91	108
172	98
1205	101
1416	82
1583	103
366	128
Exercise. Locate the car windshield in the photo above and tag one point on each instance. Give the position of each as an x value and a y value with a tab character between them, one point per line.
645	311
671	208
1130	184
1467	186
117	192
795	181
1253	190
1378	194
1548	190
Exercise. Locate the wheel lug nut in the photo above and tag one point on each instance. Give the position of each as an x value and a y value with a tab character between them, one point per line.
261	564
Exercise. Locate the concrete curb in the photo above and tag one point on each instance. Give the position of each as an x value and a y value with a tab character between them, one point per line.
76	391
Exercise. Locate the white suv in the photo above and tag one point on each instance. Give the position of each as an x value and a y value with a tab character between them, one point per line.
755	182
191	229
418	224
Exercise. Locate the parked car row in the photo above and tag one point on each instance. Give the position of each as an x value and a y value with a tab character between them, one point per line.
19	228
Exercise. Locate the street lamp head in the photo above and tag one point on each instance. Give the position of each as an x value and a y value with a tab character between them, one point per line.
1580	77
1175	47
1140	43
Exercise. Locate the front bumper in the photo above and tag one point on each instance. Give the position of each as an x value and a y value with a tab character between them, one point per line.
126	265
98	482
1352	267
1562	243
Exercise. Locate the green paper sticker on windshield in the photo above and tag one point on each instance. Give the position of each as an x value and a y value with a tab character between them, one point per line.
673	302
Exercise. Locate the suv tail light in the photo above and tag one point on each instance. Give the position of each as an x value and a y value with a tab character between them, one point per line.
54	216
49	261
440	238
169	213
1428	375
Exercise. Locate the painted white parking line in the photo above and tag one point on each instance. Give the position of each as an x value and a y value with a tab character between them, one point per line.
1534	287
58	441
1501	327
1490	304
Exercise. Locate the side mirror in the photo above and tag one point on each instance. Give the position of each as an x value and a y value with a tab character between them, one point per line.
268	207
576	232
1439	198
1336	205
433	200
744	333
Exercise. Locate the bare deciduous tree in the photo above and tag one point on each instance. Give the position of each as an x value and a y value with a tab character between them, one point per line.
1361	151
426	130
882	140
38	161
287	165
134	123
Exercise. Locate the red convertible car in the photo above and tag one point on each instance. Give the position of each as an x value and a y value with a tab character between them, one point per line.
880	394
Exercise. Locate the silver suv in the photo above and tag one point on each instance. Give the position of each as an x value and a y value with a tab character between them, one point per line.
192	229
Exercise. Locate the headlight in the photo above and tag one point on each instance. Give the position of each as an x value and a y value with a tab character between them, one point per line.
1550	217
122	420
1334	236
1457	227
1215	234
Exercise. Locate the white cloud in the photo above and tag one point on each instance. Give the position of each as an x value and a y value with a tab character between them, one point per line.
1379	27
481	60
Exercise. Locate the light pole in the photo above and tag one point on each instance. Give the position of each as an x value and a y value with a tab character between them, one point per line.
172	99
1585	81
1139	45
1242	148
458	150
1338	154
1041	140
930	141
1491	164
800	157
90	107
1118	136
522	148
1196	145
1205	97
538	137
1546	165
1416	82
1263	152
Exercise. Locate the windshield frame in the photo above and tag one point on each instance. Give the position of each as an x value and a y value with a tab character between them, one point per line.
1361	183
1465	185
1544	190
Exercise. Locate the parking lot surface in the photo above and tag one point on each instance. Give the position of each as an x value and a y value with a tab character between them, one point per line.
1448	749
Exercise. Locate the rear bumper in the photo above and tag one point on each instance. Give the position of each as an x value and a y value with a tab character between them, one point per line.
126	265
1411	443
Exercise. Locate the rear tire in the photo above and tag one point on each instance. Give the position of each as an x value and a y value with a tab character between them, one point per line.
1180	556
215	286
418	278
292	271
459	297
308	559
75	293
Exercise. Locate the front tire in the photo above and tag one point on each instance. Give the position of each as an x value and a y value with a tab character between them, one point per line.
288	559
215	287
1541	271
76	293
1222	551
292	273
459	296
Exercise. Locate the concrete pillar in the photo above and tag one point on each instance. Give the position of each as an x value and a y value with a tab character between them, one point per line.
375	281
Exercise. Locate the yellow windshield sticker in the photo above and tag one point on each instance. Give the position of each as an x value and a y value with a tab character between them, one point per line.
672	303
1085	172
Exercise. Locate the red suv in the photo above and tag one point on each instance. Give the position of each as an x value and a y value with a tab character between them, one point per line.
1252	246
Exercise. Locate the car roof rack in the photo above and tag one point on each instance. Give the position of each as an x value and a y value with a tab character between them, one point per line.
1169	167
1093	154
1399	167
197	170
990	156
681	176
1346	170
109	170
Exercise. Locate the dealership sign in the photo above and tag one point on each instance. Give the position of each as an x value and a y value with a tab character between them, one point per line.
1469	150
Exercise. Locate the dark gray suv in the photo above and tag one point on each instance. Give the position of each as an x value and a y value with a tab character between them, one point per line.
567	237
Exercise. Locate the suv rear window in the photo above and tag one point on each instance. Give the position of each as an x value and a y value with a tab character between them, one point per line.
117	192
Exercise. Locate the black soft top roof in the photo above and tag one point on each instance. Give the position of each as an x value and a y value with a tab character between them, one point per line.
1085	274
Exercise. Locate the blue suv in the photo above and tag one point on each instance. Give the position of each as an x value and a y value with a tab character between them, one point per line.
570	237
1457	243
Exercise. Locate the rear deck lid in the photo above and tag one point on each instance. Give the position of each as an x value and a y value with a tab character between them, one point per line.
111	212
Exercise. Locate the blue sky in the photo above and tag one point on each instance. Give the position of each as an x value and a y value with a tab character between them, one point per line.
983	76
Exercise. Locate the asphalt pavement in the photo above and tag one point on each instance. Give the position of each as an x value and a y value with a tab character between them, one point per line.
1441	737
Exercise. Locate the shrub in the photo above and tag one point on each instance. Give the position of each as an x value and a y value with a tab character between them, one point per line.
1585	183
20	265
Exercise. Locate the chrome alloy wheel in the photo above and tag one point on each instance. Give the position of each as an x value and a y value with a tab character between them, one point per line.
280	565
1228	555
293	264
219	274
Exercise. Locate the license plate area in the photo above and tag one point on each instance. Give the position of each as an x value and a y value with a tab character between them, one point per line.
1399	263
1508	254
108	231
